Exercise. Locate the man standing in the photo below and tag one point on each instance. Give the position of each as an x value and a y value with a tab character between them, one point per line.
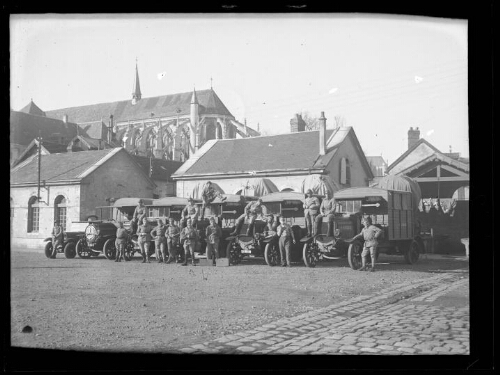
173	233
158	233
327	209
311	207
370	233
213	234
190	212
286	235
190	237
57	238
252	210
208	195
120	242
144	234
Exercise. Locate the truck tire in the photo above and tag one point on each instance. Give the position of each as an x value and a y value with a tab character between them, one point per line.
310	255
412	253
272	254
48	249
82	250
109	249
354	255
70	250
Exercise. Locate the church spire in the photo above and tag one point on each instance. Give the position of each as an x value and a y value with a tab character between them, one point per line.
136	91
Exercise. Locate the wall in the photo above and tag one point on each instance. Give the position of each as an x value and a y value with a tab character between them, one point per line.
20	197
118	177
358	174
416	156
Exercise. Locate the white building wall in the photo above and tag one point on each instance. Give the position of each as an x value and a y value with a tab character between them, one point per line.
20	238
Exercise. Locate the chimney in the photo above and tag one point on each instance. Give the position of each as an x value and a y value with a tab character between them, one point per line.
65	119
413	136
322	135
297	124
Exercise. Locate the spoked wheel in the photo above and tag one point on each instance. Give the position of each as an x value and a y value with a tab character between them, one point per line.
82	250
310	254
272	254
70	250
109	249
48	250
129	251
354	255
412	253
233	252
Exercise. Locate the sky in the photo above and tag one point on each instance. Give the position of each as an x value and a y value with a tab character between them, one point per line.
382	74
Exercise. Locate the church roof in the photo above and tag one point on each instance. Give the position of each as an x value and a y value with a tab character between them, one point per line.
32	109
161	106
162	169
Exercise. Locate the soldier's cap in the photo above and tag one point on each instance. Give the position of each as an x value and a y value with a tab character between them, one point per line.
209	182
309	191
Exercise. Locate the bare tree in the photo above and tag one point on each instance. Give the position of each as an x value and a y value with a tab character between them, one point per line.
312	123
339	121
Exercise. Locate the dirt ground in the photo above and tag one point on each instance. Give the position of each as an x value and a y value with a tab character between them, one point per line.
97	304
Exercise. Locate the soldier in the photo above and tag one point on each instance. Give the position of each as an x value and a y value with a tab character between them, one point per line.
190	212
121	242
139	214
158	233
272	225
285	234
190	237
173	233
213	234
252	210
327	209
208	195
57	238
370	233
144	233
311	207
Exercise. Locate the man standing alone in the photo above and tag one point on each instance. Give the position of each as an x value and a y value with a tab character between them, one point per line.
57	238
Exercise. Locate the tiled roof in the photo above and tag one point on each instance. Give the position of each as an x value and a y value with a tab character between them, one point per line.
32	109
162	169
161	106
278	152
57	167
25	127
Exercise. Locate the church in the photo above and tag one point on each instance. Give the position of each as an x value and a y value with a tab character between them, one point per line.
170	127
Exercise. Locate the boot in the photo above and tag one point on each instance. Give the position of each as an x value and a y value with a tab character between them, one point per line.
169	260
143	259
237	230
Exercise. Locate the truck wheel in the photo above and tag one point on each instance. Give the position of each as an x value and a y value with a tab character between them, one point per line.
354	255
109	249
70	250
48	250
82	250
412	253
310	255
233	252
272	254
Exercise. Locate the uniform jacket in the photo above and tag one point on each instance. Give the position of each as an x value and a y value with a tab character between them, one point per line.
57	232
139	213
159	231
189	235
253	209
327	206
311	203
285	230
173	232
370	235
209	194
121	234
144	232
190	210
213	233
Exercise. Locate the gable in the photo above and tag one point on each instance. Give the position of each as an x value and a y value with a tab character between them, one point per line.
422	151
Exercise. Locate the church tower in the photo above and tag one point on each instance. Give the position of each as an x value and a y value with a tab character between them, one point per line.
194	139
136	90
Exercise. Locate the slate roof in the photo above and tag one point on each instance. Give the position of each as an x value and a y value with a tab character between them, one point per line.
25	127
32	109
162	169
161	106
57	167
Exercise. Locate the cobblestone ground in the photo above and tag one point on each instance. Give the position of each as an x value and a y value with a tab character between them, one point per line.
413	318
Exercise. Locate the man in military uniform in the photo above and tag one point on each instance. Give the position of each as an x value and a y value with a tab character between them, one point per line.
144	238
286	235
327	209
311	207
57	238
252	210
213	234
190	212
190	237
173	233
208	195
139	214
370	234
158	233
121	242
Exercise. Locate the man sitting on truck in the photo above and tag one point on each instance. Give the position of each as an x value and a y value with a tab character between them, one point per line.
190	212
208	195
252	210
327	209
370	233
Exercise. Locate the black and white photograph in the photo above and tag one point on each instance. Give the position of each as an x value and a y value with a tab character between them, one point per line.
270	184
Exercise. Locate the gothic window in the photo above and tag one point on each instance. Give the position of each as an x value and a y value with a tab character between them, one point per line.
138	139
33	215
151	140
60	210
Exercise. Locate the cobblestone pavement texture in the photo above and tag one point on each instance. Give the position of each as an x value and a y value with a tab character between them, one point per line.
402	319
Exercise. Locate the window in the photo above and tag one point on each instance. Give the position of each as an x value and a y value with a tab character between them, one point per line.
349	207
60	211
33	215
345	172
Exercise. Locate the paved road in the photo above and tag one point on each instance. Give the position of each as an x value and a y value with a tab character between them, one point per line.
430	316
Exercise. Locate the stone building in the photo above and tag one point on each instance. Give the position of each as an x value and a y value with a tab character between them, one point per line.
72	185
172	127
290	161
